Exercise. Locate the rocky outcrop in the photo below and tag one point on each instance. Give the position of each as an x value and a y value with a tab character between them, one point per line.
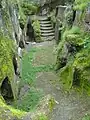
10	37
73	58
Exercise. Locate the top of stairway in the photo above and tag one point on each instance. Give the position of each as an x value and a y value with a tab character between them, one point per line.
42	17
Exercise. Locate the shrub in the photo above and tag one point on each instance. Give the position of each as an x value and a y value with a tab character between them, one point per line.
36	26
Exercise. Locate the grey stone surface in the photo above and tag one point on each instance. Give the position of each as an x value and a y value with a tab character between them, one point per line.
47	30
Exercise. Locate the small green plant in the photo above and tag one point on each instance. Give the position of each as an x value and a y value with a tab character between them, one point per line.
51	104
36	26
42	117
86	117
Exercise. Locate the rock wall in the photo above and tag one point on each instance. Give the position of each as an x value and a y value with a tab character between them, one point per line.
73	50
10	33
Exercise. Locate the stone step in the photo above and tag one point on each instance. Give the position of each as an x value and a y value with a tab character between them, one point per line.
48	38
46	28
42	18
47	34
45	25
45	22
47	31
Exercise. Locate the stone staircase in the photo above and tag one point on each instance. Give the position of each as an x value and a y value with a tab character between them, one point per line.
47	31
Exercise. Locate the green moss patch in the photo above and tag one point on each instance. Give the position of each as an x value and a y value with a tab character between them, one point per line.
7	112
6	53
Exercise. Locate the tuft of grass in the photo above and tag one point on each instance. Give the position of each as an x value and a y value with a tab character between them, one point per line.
42	117
51	104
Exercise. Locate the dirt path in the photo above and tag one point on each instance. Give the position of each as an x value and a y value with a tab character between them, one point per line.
70	106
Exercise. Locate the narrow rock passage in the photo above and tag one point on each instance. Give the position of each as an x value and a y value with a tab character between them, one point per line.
70	106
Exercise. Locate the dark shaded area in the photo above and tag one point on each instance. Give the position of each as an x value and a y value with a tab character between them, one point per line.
21	44
63	61
16	37
15	65
71	48
30	31
76	79
74	15
0	4
6	90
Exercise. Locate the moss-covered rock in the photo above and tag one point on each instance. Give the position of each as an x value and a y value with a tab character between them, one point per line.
73	59
9	113
6	52
8	28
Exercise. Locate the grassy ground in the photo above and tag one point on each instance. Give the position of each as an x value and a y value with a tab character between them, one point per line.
33	62
39	80
39	59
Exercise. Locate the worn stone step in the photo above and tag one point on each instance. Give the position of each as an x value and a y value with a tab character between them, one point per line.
46	25
48	34
45	22
47	31
46	28
48	38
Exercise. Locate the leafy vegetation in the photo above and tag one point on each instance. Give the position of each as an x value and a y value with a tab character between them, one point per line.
87	117
81	4
36	26
42	117
76	68
29	8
